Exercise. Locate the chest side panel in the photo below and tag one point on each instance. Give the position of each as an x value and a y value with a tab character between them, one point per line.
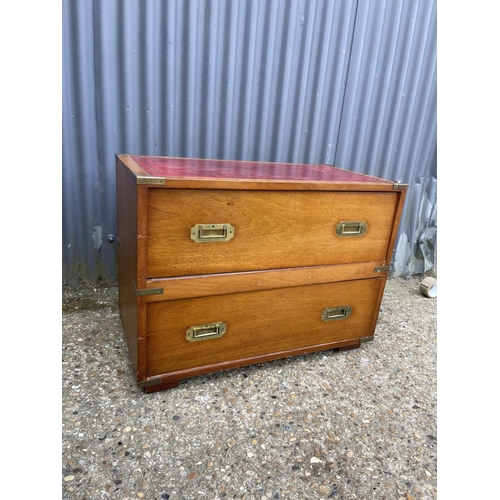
126	200
272	229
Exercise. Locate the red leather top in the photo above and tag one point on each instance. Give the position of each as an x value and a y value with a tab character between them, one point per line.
168	167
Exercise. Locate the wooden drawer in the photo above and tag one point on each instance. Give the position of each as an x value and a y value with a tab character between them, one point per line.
277	322
272	229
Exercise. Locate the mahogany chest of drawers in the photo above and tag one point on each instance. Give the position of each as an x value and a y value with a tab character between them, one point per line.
223	264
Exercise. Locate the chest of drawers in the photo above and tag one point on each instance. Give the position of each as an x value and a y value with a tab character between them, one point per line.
223	264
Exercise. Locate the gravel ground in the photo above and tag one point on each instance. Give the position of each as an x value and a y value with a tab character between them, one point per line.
359	424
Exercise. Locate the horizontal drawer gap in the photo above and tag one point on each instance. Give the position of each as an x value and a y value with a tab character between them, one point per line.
228	283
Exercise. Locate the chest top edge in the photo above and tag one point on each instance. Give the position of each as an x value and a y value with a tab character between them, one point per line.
199	173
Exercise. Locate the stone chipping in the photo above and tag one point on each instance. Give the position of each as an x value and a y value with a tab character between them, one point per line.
359	424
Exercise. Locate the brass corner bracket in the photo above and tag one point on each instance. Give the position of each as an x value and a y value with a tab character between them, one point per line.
150	181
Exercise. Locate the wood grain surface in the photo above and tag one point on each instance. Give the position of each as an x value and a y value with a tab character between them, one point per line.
258	323
273	229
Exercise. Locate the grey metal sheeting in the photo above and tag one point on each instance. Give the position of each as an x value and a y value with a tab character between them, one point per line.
345	83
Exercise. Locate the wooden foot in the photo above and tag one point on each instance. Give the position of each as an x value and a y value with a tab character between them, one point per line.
161	387
348	347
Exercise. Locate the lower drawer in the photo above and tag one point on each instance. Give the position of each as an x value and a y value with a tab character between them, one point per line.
257	325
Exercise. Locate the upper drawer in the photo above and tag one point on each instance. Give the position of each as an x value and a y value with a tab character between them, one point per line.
272	229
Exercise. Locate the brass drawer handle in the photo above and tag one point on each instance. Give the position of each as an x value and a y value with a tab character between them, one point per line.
332	313
205	332
351	228
203	233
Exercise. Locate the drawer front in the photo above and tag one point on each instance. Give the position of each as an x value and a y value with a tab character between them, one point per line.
190	333
264	229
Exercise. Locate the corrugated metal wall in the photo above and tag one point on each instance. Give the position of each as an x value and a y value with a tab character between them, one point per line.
346	83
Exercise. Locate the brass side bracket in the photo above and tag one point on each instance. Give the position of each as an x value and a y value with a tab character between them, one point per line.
382	269
147	291
398	186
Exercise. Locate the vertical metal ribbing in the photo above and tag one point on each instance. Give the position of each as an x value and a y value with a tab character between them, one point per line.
307	81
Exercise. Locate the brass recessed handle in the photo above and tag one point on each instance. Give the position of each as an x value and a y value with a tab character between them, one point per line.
205	332
204	233
351	228
333	313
